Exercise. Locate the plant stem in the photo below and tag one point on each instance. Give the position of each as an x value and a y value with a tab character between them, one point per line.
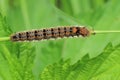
4	38
103	32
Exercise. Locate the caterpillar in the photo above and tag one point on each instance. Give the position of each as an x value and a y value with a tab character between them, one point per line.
49	33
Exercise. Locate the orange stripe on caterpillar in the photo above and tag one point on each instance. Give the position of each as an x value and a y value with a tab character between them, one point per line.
49	33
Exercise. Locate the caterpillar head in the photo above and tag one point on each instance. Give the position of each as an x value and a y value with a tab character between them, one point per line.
84	31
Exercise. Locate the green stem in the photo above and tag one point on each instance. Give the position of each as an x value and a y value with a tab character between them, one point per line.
4	38
103	32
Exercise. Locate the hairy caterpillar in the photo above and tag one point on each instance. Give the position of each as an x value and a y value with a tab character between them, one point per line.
49	33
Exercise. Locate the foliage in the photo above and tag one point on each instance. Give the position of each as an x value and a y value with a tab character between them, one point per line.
103	67
28	60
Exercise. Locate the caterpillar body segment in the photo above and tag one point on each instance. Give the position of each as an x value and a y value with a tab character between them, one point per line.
50	33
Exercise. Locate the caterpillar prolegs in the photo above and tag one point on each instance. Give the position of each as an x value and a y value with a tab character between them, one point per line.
49	33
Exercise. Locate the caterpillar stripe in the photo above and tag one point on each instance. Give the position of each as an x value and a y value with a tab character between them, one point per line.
49	33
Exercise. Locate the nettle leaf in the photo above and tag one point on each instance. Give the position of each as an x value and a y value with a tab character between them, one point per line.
4	30
17	58
103	67
57	71
26	57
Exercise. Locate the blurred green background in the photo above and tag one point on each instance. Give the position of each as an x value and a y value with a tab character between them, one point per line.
22	15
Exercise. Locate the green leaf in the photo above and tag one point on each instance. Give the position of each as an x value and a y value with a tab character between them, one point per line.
103	67
4	31
17	58
4	28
